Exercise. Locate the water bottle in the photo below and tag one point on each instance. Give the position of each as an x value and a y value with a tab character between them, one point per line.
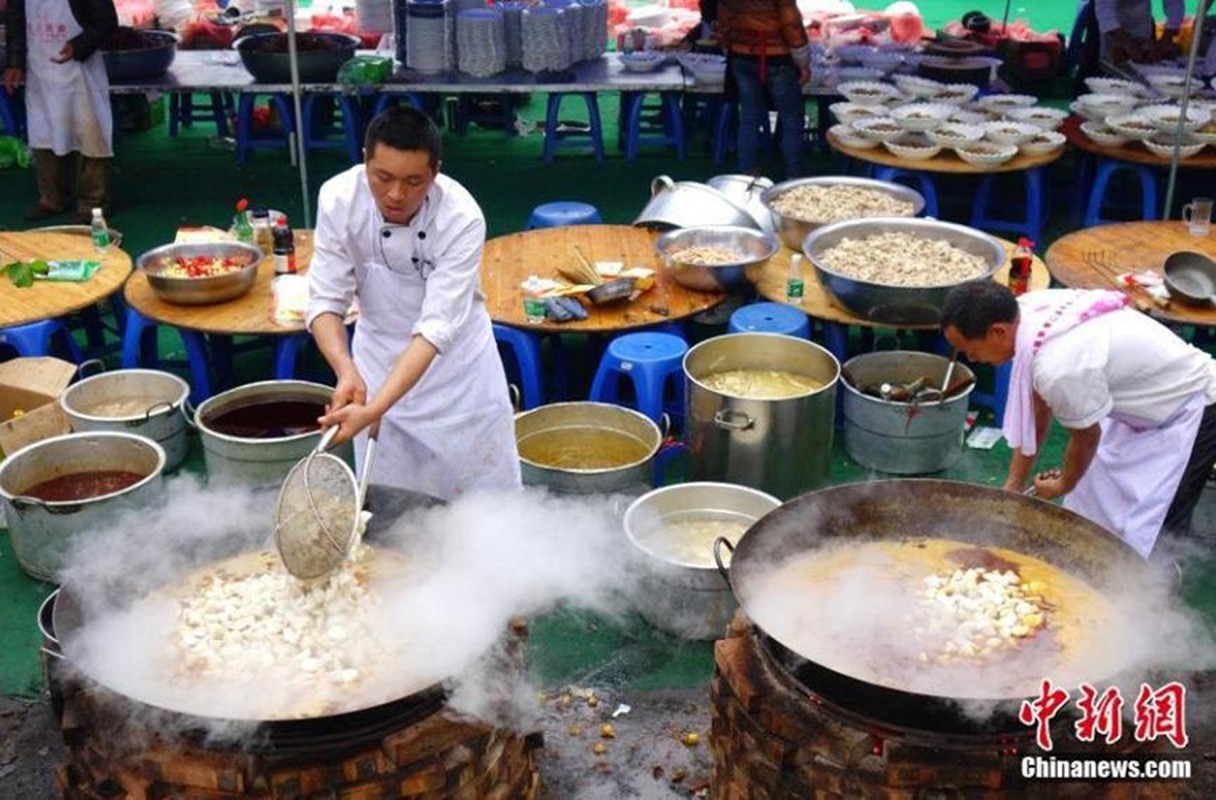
795	285
100	232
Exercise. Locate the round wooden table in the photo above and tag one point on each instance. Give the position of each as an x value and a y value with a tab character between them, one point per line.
51	299
248	314
1132	152
818	303
1093	257
507	261
945	162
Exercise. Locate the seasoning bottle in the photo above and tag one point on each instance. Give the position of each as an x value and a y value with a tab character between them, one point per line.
284	249
263	231
794	285
244	230
100	232
1019	267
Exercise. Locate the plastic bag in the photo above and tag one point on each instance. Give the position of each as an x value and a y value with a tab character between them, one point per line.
13	153
365	70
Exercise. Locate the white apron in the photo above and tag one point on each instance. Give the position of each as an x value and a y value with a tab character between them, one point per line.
67	105
454	431
1134	475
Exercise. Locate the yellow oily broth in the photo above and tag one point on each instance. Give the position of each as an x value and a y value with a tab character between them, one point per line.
761	384
124	408
1070	646
582	447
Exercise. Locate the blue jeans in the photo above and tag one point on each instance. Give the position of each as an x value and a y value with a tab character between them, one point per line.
781	81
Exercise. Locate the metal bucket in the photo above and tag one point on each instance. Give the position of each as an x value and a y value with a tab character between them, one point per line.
782	447
904	438
633	476
747	191
684	599
687	204
258	461
43	532
161	394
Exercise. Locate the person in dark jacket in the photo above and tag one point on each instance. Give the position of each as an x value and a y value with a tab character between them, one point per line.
768	55
54	48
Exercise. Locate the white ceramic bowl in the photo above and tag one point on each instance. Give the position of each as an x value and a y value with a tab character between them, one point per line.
879	129
882	60
1105	104
850	138
859	74
1206	134
851	112
1164	146
954	94
955	133
868	93
1091	114
1165	117
913	147
1047	119
1169	84
1007	132
1043	142
1103	135
965	117
642	61
986	154
1005	102
921	116
1116	86
1134	125
916	86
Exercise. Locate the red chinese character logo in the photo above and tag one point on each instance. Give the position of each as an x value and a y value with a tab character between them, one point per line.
62	28
1040	711
1162	713
1100	714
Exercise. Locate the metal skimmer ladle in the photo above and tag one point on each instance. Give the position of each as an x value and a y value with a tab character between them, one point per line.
316	518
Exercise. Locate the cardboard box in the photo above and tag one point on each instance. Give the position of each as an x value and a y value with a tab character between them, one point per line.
31	386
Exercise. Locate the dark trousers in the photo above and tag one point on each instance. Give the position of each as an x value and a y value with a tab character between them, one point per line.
56	175
1194	477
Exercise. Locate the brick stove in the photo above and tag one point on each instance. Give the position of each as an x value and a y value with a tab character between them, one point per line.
773	738
412	748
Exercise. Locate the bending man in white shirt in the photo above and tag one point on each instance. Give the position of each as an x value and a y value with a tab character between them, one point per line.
1139	404
406	241
1130	34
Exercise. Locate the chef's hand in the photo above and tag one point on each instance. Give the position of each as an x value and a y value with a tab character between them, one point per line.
350	419
804	75
350	389
1050	484
65	55
12	79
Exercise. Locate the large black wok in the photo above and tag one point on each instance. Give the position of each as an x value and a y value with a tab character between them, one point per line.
358	723
892	510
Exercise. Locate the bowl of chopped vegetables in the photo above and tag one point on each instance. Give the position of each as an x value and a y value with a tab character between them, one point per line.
202	273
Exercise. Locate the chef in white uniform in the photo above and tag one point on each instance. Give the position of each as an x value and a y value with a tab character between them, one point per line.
53	46
1130	34
406	241
1139	404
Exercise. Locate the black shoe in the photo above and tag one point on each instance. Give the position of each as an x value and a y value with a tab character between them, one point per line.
39	211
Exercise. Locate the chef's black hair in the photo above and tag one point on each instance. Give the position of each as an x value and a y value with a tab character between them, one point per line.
975	306
404	128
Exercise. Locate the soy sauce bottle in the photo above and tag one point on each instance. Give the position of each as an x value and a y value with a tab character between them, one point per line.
1019	267
284	249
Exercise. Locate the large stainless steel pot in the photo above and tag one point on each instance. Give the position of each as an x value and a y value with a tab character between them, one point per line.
897	305
239	460
161	394
687	203
747	191
634	476
782	447
905	438
687	599
897	509
43	533
793	231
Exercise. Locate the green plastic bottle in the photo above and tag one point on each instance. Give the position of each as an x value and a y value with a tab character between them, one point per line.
244	229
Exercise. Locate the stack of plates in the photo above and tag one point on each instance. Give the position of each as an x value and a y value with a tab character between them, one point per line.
572	25
481	42
374	16
545	44
595	28
401	16
512	12
427	48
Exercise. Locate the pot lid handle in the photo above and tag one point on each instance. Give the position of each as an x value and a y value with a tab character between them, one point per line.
661	183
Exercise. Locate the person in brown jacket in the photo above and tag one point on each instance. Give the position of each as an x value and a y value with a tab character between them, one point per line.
768	56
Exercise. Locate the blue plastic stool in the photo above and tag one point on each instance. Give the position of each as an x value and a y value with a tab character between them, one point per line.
560	213
922	182
650	361
555	139
999	395
524	348
34	338
770	318
183	114
11	113
670	133
1036	211
384	100
245	139
287	353
1108	167
139	350
316	131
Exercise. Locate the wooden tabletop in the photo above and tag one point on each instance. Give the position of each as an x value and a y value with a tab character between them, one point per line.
944	162
1132	152
50	299
251	313
509	260
1091	258
818	303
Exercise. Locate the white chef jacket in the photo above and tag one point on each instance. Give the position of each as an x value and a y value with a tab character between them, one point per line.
1136	16
454	431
